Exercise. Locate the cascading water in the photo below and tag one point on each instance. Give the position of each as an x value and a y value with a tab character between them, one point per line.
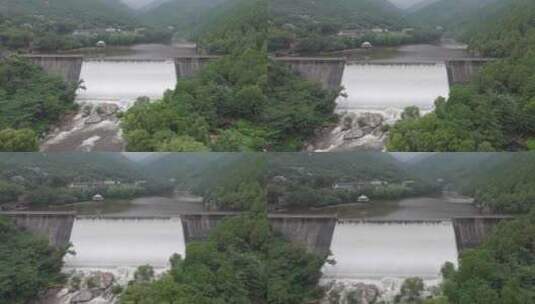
375	96
109	86
108	252
383	254
121	82
384	87
110	243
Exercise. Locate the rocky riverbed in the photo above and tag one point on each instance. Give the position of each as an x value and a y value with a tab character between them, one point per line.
93	128
355	131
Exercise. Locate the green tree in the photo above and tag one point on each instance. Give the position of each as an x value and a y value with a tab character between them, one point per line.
23	140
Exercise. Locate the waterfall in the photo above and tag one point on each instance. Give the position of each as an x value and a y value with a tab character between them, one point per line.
383	254
373	250
122	81
111	243
387	87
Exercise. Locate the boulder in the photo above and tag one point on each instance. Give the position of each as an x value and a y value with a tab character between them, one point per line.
86	110
106	280
370	120
83	296
107	109
354	134
93	119
362	294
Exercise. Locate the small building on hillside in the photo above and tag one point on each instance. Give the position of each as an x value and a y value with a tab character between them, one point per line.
366	45
363	199
98	198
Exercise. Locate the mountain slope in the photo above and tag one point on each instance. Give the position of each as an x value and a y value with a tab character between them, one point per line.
450	13
91	13
358	13
182	14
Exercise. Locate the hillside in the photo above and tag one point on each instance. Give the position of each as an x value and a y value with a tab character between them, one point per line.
88	13
184	15
70	166
46	178
359	14
450	13
312	27
499	182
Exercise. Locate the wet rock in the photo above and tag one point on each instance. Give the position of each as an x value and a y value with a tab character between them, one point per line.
371	120
106	280
83	296
93	119
86	110
107	109
363	294
354	134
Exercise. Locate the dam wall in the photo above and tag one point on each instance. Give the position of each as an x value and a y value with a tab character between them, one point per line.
470	232
189	66
56	226
463	70
67	67
326	71
313	232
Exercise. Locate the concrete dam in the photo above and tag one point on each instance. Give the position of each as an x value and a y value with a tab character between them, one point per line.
128	79
380	253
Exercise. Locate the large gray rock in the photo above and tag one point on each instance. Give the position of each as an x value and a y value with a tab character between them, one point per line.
83	296
107	109
371	120
106	280
362	294
93	119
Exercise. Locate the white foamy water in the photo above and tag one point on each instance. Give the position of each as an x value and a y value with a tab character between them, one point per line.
122	81
377	250
389	87
126	243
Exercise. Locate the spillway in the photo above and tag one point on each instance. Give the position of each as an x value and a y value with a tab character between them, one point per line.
112	243
385	86
122	81
377	250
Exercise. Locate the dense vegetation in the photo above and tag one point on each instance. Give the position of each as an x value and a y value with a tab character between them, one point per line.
243	261
30	101
493	113
314	26
45	179
241	102
310	181
500	271
499	182
49	26
28	264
